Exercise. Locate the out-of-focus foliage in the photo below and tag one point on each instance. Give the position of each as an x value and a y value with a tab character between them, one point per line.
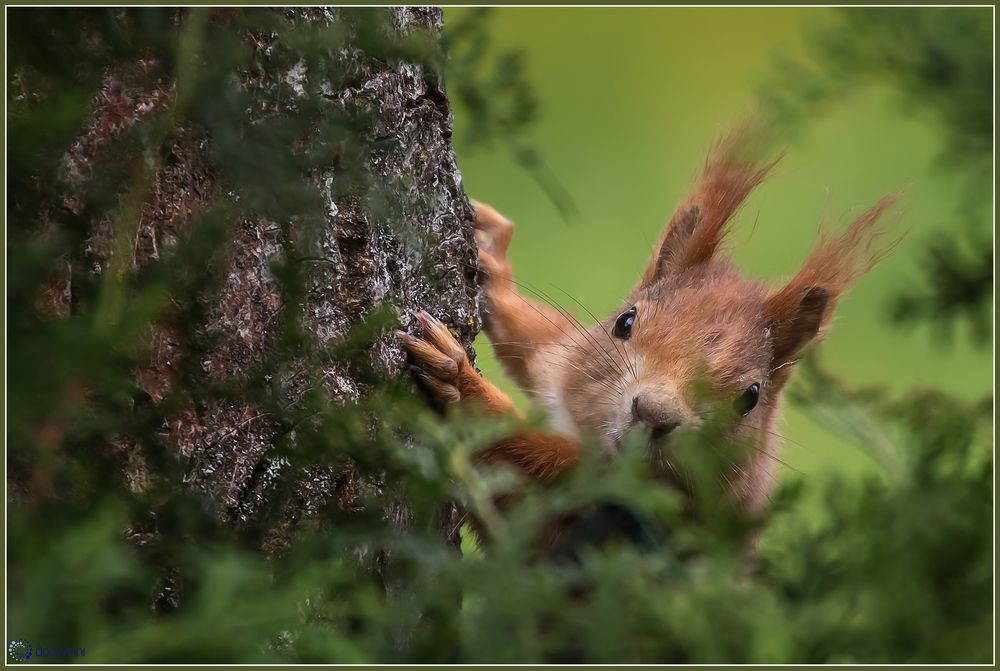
491	91
956	282
939	63
899	570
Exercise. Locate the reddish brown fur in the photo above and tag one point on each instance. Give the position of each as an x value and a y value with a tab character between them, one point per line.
731	173
838	262
538	454
698	320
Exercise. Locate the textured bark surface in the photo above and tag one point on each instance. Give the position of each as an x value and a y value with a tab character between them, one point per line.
362	260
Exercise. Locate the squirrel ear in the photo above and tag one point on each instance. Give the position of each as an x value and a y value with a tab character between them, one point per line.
794	326
681	228
799	311
734	167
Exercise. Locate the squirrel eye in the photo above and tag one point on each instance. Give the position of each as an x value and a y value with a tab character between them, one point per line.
748	399
623	325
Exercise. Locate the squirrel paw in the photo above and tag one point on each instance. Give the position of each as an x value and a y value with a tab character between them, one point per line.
495	230
438	360
493	235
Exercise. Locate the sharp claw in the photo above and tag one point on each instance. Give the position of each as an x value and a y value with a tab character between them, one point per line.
424	318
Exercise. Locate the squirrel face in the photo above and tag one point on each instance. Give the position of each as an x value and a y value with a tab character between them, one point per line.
687	348
695	341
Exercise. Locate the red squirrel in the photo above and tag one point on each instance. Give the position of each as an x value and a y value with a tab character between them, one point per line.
691	320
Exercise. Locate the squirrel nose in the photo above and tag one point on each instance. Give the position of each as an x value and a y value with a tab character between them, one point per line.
660	415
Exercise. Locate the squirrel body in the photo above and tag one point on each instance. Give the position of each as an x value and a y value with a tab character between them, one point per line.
693	337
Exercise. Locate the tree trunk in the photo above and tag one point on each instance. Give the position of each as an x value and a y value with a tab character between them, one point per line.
393	232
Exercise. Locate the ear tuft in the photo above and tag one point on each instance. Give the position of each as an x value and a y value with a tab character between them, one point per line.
735	166
803	306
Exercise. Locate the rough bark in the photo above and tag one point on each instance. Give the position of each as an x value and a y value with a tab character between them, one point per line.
365	257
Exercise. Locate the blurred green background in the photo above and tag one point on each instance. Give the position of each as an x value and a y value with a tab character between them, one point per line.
629	101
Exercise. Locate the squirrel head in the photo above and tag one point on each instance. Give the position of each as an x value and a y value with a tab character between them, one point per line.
695	339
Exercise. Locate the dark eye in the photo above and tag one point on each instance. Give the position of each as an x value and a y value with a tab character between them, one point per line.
748	399
623	325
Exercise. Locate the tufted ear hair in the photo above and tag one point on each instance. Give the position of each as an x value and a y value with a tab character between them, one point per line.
801	310
732	170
